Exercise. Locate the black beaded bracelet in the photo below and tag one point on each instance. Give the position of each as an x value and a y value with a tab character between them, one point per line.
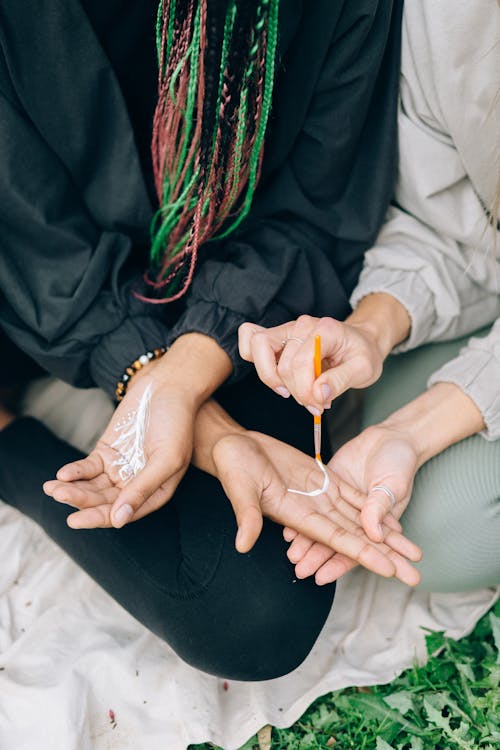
138	364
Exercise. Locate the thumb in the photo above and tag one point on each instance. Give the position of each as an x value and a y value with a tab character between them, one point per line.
233	456
249	527
333	382
373	513
244	496
135	494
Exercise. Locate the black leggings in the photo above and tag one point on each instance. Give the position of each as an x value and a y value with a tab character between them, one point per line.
242	617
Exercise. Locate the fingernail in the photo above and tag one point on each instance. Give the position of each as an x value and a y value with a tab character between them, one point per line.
122	515
326	391
380	530
283	391
315	412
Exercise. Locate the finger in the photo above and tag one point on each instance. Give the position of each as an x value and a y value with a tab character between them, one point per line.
71	494
249	523
298	548
85	468
405	572
313	560
98	517
373	512
154	476
296	370
354	497
404	546
272	356
333	569
244	496
301	376
392	523
358	499
289	534
266	346
353	545
246	332
391	529
337	380
393	537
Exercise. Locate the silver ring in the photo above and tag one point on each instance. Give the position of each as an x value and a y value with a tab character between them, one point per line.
390	494
291	338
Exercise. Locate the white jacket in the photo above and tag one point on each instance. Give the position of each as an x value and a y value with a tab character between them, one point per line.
436	252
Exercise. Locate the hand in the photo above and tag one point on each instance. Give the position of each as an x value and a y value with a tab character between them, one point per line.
353	352
180	382
351	358
95	484
381	455
255	471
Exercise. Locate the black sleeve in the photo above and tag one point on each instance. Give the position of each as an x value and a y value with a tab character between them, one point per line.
301	249
65	283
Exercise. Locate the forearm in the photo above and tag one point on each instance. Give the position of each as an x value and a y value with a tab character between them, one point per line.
438	418
384	318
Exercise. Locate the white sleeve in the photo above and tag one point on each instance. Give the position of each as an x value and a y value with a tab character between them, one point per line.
436	253
427	272
476	371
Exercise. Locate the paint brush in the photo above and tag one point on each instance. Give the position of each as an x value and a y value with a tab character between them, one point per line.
317	432
317	420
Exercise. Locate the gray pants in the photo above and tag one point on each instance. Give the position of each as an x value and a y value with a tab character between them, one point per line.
454	512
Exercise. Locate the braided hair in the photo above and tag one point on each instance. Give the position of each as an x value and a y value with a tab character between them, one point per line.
216	74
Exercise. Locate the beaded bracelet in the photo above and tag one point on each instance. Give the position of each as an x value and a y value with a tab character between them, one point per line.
138	364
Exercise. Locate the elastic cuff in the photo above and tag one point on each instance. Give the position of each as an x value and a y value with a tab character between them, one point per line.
477	373
411	291
118	349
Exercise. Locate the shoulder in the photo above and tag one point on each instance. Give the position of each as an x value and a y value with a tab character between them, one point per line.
450	64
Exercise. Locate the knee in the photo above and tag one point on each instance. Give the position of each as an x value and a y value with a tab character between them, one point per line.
256	641
454	516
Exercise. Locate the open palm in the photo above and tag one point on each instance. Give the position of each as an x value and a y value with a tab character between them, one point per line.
99	487
255	471
378	456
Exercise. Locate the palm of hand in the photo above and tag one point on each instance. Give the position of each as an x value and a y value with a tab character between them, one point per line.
255	471
378	456
94	484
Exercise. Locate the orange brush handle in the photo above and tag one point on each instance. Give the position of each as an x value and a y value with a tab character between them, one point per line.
317	373
317	356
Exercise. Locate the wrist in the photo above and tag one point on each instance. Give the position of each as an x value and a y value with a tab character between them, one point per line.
384	319
195	365
438	418
211	426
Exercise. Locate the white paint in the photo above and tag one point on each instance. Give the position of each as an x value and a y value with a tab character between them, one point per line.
321	490
130	442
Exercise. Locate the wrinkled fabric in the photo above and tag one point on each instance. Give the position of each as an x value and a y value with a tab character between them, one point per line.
70	653
74	225
436	253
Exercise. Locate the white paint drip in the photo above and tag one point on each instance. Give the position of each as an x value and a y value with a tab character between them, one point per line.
315	493
130	443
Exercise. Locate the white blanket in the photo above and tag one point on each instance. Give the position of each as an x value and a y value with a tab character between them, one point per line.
69	654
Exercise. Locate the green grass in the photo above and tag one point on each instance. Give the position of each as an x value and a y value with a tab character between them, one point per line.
451	703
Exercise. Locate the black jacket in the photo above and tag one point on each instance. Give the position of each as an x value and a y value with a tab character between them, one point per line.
75	212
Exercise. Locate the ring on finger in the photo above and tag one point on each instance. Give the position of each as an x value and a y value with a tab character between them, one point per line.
291	338
386	490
